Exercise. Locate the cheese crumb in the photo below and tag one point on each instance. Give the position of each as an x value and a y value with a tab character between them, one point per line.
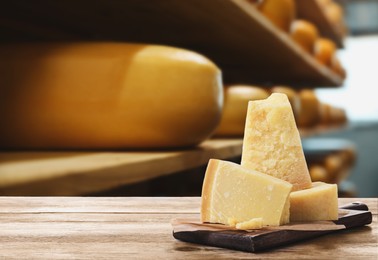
254	223
232	222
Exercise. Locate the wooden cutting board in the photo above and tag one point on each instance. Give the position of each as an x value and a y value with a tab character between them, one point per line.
350	216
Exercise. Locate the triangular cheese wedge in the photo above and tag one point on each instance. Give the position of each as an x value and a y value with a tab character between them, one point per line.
232	194
272	143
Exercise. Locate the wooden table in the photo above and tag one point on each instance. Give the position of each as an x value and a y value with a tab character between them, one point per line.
139	228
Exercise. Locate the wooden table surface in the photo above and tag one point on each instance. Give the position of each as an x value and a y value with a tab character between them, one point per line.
139	228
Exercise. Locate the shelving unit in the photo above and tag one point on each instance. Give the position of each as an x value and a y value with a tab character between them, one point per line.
83	172
240	40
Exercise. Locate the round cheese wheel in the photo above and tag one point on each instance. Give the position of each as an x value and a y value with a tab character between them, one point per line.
325	113
334	12
323	3
106	95
304	33
236	98
318	173
309	114
337	67
293	97
324	50
281	13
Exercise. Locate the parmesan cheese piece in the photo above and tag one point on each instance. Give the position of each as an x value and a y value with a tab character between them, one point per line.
317	203
232	194
272	144
255	223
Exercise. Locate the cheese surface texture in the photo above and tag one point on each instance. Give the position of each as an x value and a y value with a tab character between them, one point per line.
314	204
272	143
106	95
232	194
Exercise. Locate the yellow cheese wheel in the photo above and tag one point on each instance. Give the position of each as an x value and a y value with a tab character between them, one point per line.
310	109
324	50
106	95
304	33
337	67
281	13
236	99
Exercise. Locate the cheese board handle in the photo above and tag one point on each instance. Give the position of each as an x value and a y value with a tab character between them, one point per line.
355	206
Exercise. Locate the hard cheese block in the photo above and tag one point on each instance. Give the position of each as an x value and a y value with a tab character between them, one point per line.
234	194
272	144
106	95
317	203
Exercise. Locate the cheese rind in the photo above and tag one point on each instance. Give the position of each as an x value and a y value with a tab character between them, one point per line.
272	143
314	204
231	192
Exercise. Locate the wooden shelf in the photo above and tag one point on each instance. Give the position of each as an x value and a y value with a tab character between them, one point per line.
311	11
84	172
241	41
78	173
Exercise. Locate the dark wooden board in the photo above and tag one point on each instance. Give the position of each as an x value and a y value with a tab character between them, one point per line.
354	215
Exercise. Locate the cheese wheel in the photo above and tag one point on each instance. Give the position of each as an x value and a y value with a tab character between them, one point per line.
106	95
304	33
334	13
318	173
236	99
324	49
281	13
310	112
337	67
325	114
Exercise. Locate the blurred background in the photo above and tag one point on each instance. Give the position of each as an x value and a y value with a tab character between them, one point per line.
54	139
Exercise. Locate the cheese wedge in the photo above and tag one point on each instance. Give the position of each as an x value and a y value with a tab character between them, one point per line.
272	144
106	95
317	203
232	194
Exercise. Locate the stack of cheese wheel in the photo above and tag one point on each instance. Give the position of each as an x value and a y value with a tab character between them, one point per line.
308	110
313	112
329	160
282	13
106	95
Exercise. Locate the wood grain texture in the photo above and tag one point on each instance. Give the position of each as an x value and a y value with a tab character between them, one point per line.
139	228
82	172
232	33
